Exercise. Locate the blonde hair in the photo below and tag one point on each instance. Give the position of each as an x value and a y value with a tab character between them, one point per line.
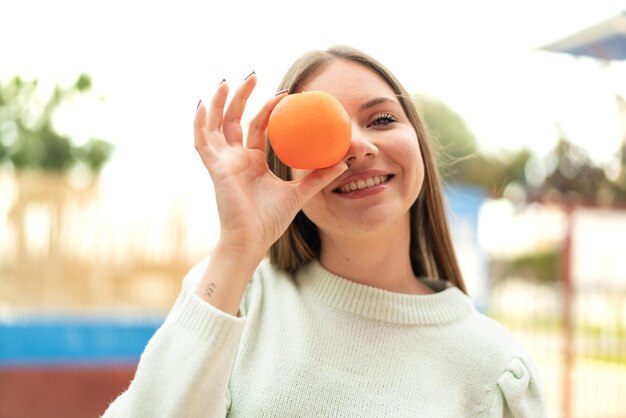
431	250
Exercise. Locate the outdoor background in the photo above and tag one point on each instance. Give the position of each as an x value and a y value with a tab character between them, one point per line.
104	204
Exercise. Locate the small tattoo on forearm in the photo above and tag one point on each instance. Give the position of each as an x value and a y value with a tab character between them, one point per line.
209	290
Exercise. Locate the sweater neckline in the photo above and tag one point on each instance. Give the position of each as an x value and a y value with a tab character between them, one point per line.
369	302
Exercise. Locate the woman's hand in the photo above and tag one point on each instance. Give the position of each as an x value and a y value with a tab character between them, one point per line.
255	207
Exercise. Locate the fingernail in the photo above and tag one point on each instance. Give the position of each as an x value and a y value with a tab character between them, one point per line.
249	75
223	80
281	92
199	102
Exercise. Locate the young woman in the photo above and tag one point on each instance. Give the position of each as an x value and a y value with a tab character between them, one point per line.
360	309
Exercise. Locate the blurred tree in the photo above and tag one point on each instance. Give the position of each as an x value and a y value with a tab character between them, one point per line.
576	178
449	131
95	153
3	152
619	184
621	154
41	158
540	266
567	174
459	157
28	138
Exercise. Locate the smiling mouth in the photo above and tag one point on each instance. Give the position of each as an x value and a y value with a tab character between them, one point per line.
363	184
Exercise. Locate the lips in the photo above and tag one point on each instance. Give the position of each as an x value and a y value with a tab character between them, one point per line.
363	182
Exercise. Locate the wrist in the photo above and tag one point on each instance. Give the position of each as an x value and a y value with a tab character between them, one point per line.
246	253
228	273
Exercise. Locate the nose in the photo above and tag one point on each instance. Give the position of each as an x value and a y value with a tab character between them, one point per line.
361	147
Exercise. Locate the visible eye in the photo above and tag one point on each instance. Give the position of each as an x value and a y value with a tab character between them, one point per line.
383	119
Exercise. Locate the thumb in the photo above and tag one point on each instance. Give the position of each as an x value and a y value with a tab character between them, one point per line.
315	181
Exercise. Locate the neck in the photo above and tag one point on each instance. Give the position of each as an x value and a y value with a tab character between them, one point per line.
379	260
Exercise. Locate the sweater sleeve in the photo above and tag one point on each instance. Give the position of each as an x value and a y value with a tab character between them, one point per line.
518	393
186	366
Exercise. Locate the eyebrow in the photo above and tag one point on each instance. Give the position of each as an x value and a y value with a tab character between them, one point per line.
375	102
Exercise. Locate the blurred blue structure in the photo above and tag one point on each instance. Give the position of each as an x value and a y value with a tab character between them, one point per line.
605	40
464	204
73	341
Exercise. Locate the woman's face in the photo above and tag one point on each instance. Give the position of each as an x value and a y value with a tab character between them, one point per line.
386	171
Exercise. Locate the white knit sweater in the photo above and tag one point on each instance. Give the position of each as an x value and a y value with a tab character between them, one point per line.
323	346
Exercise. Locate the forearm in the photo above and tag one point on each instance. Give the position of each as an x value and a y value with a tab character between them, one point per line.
186	366
228	273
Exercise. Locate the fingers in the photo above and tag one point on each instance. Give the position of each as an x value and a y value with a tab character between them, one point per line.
216	127
216	111
258	125
232	118
207	122
311	184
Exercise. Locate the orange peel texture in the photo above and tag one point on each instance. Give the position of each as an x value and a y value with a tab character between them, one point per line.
309	130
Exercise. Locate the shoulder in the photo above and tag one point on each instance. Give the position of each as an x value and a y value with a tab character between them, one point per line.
495	338
489	345
514	382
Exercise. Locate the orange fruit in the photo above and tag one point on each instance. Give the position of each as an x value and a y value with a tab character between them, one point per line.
309	130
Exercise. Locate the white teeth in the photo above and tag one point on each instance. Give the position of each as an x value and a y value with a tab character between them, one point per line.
363	184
